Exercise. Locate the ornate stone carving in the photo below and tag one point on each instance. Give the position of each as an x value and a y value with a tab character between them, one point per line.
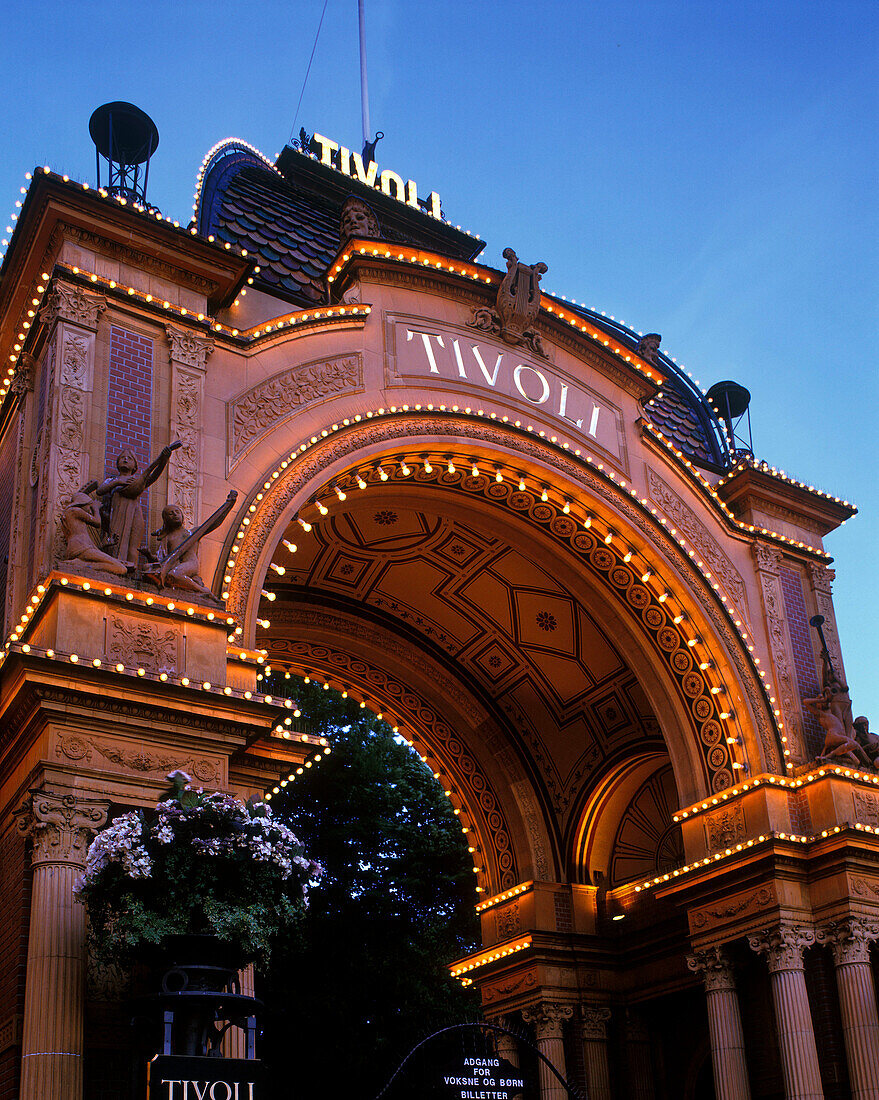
139	643
725	827
710	916
136	760
73	747
75	357
547	1018
72	303
517	305
265	405
183	469
188	348
60	825
509	921
71	418
866	808
849	939
783	947
593	1021
23	378
715	968
501	990
705	545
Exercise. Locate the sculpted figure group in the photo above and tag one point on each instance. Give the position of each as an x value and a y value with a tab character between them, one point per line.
105	528
846	739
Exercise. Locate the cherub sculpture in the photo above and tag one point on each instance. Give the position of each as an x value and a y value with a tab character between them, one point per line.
176	563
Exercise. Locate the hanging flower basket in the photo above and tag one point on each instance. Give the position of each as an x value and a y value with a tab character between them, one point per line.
202	864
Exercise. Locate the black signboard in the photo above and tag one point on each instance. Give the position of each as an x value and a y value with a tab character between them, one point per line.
472	1077
176	1077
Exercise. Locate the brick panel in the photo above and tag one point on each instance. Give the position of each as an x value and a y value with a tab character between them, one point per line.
804	655
130	391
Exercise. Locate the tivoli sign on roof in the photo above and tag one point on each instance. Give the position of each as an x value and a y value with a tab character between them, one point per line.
388	182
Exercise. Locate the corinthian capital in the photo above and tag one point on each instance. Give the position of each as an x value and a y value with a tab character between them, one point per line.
547	1018
61	826
849	939
594	1021
188	348
767	557
714	966
72	303
783	947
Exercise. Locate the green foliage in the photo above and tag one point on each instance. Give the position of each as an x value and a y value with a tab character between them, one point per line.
202	864
366	976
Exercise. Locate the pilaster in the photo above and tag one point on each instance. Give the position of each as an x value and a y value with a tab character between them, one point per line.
188	355
787	700
593	1028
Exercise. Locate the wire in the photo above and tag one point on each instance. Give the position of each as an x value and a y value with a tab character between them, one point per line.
308	70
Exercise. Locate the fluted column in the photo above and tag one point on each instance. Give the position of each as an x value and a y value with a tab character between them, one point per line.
849	940
547	1019
593	1022
639	1059
724	1023
60	826
783	949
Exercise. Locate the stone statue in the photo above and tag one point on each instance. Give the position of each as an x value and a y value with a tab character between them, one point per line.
123	526
79	523
176	563
868	741
357	220
838	746
517	305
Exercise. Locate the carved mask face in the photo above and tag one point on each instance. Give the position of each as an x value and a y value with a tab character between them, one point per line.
357	220
126	463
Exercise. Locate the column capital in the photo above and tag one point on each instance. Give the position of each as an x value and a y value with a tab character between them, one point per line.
849	939
593	1020
547	1018
188	348
714	966
60	825
767	557
783	946
72	303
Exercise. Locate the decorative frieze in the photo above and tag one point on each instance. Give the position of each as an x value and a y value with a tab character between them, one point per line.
705	545
263	406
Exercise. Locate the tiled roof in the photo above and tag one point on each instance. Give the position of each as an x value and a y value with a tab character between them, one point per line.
677	417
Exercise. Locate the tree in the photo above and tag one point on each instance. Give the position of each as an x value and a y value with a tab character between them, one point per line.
366	977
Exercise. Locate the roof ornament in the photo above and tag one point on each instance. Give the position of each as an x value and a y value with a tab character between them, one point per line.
303	142
517	305
357	219
648	347
368	155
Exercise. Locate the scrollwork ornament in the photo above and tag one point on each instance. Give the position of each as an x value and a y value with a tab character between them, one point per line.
60	826
849	939
72	303
714	967
188	348
783	946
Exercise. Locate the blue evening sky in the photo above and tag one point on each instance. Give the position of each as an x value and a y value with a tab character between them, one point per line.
700	169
